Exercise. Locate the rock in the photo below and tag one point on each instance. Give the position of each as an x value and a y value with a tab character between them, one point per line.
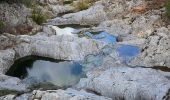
155	51
7	97
6	59
11	84
127	83
61	9
64	47
58	47
26	96
13	24
52	2
93	15
116	27
144	24
6	41
69	94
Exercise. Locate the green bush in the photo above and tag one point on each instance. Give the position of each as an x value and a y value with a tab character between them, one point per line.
83	4
2	25
167	6
38	16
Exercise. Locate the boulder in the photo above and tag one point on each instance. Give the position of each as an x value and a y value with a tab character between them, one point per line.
127	83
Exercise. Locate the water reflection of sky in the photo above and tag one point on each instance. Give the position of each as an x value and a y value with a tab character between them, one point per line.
127	52
102	36
60	74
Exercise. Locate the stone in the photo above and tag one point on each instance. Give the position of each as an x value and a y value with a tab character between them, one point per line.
11	84
6	59
69	94
155	51
127	83
7	97
93	15
13	24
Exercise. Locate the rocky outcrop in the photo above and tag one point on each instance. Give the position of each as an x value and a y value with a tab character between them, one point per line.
156	50
64	47
93	15
58	47
127	83
16	18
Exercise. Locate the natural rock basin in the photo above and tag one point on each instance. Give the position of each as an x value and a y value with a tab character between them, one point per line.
40	70
127	52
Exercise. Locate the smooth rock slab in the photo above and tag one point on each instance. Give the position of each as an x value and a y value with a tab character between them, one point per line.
127	83
58	47
93	15
69	94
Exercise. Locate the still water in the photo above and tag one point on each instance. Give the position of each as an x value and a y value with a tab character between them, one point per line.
36	70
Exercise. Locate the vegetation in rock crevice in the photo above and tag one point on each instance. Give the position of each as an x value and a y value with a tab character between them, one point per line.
2	25
167	6
38	16
83	4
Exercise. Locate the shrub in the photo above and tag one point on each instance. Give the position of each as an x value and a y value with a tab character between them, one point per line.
38	16
2	26
167	6
83	4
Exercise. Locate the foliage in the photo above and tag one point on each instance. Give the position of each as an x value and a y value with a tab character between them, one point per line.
38	16
2	26
167	6
40	13
83	4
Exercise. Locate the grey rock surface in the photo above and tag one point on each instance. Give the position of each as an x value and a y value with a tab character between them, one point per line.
93	15
127	83
69	94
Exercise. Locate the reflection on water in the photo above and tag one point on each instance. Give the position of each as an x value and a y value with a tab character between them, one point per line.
60	74
37	71
127	52
102	36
